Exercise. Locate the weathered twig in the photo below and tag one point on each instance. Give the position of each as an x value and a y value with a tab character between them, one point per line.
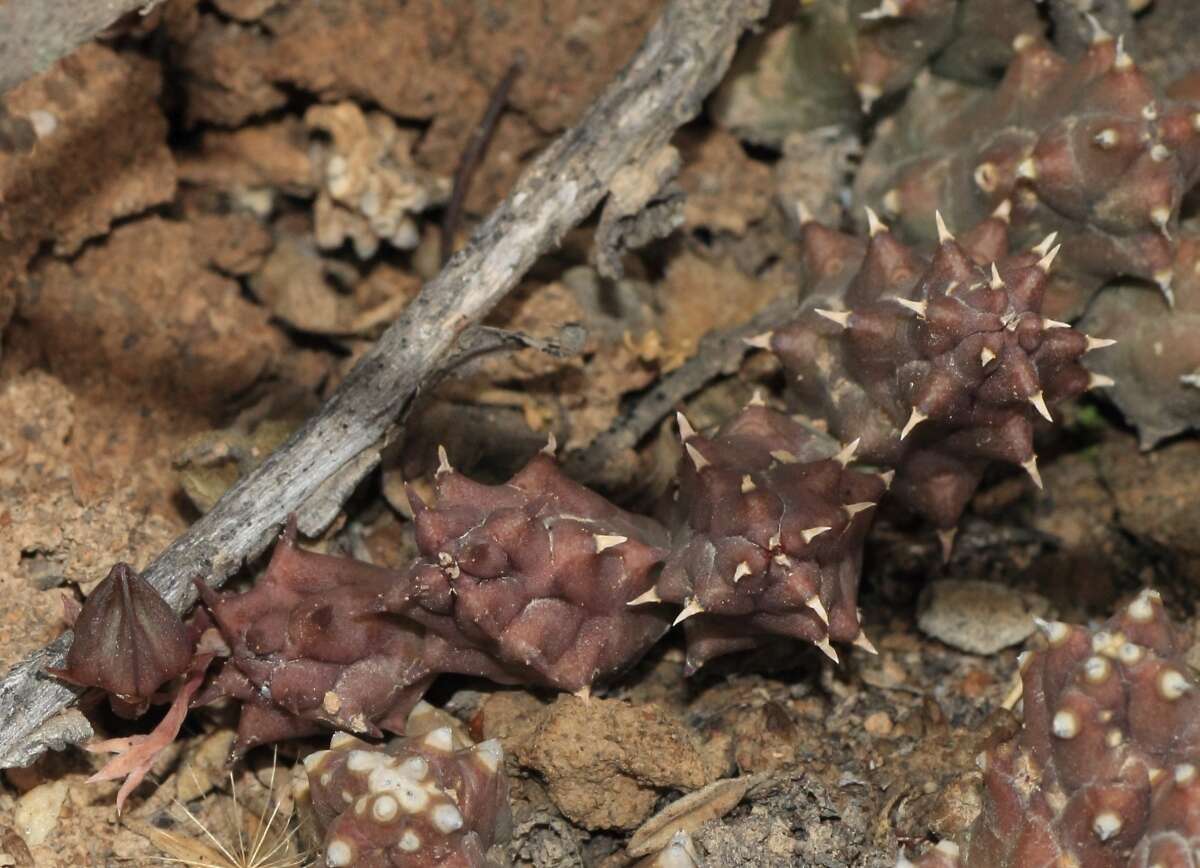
472	156
682	59
719	353
484	340
35	33
323	506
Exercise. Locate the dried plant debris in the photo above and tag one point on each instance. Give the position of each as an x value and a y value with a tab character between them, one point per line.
453	54
1104	770
578	396
218	818
1090	149
370	187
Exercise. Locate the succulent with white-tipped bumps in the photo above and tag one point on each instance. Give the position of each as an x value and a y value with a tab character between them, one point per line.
767	537
1155	363
1089	149
1105	769
839	58
417	802
936	365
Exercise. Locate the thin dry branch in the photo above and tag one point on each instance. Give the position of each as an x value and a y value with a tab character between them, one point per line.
719	353
682	59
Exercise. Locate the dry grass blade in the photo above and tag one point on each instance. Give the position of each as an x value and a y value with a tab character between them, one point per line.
258	840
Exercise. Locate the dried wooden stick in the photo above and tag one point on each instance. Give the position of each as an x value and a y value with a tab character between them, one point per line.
472	156
719	353
682	59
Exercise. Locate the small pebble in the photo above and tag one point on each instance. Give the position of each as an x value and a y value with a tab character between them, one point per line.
978	617
878	724
37	812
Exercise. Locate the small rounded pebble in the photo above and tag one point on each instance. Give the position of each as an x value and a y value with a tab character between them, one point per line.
978	617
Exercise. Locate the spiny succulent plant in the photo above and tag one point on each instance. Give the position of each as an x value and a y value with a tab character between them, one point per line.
934	365
838	58
523	583
1106	769
767	537
527	582
310	645
417	802
1089	149
881	45
1157	358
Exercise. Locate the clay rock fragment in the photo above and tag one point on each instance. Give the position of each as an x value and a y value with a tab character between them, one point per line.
1104	772
935	366
605	762
767	539
1089	149
416	802
76	183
